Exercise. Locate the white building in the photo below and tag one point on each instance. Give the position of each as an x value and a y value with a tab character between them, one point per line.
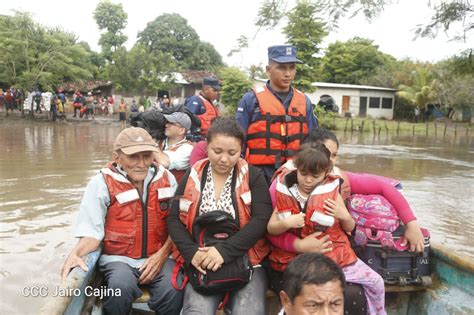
359	100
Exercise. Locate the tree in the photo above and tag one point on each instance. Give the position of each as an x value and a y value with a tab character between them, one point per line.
352	62
454	88
305	31
235	83
139	70
422	91
171	33
112	18
35	56
445	14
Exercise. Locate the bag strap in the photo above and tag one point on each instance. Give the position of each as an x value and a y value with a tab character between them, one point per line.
174	277
224	301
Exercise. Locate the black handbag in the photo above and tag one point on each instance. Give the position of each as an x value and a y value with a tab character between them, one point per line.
211	229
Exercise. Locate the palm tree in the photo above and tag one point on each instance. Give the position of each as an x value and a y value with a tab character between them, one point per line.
421	92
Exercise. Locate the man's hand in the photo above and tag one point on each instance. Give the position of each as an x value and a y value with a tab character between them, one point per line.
85	246
152	267
72	261
311	244
213	259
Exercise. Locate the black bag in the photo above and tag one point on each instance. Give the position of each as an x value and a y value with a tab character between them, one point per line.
210	229
154	121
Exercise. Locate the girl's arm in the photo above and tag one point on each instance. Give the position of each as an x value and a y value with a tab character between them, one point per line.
366	184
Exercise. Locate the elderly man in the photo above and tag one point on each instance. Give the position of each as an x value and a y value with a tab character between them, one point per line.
202	104
313	284
275	116
174	151
125	207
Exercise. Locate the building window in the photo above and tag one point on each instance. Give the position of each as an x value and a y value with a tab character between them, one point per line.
387	102
374	102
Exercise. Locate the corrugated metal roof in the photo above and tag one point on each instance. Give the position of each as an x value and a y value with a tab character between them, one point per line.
352	86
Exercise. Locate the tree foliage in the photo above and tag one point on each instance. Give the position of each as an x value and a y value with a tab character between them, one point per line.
352	62
112	18
139	70
422	91
453	88
171	33
35	56
235	83
445	14
305	31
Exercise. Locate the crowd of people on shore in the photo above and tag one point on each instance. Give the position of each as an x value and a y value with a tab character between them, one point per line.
258	204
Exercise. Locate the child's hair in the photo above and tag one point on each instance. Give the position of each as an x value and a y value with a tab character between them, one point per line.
313	158
319	135
227	127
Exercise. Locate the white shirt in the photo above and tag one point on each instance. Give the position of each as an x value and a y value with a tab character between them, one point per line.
179	158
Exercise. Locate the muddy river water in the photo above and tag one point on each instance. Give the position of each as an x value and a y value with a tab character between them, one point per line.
45	167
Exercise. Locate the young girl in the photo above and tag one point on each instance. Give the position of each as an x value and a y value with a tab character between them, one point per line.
308	200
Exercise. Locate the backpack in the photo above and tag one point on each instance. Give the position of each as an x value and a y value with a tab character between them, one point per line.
154	121
375	220
210	229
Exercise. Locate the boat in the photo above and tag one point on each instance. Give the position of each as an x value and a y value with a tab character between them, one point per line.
451	291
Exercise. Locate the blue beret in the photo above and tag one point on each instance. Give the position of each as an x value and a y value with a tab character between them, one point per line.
283	54
212	82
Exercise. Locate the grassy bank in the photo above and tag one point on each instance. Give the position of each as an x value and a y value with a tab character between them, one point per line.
377	126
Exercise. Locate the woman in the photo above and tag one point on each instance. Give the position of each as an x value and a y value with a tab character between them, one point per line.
224	182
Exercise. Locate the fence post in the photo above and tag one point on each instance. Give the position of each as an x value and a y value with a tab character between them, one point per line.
398	127
455	130
427	128
386	127
362	125
352	124
345	126
436	129
373	125
413	130
445	128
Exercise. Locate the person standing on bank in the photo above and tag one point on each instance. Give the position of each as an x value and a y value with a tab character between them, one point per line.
202	104
125	207
275	116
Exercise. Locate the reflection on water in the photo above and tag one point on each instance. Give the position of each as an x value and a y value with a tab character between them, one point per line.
44	169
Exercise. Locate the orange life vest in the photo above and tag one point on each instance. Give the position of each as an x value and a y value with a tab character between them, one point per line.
286	205
277	135
133	229
178	174
206	118
189	205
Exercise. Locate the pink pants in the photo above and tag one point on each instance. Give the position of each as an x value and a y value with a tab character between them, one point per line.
372	283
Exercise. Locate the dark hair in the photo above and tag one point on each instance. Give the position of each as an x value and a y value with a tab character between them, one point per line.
313	159
227	127
310	268
319	135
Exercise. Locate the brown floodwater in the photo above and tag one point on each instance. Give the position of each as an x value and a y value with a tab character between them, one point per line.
45	167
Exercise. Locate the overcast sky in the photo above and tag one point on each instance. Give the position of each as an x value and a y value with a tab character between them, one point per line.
221	22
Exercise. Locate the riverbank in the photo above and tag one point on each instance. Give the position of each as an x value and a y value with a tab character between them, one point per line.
16	117
443	127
